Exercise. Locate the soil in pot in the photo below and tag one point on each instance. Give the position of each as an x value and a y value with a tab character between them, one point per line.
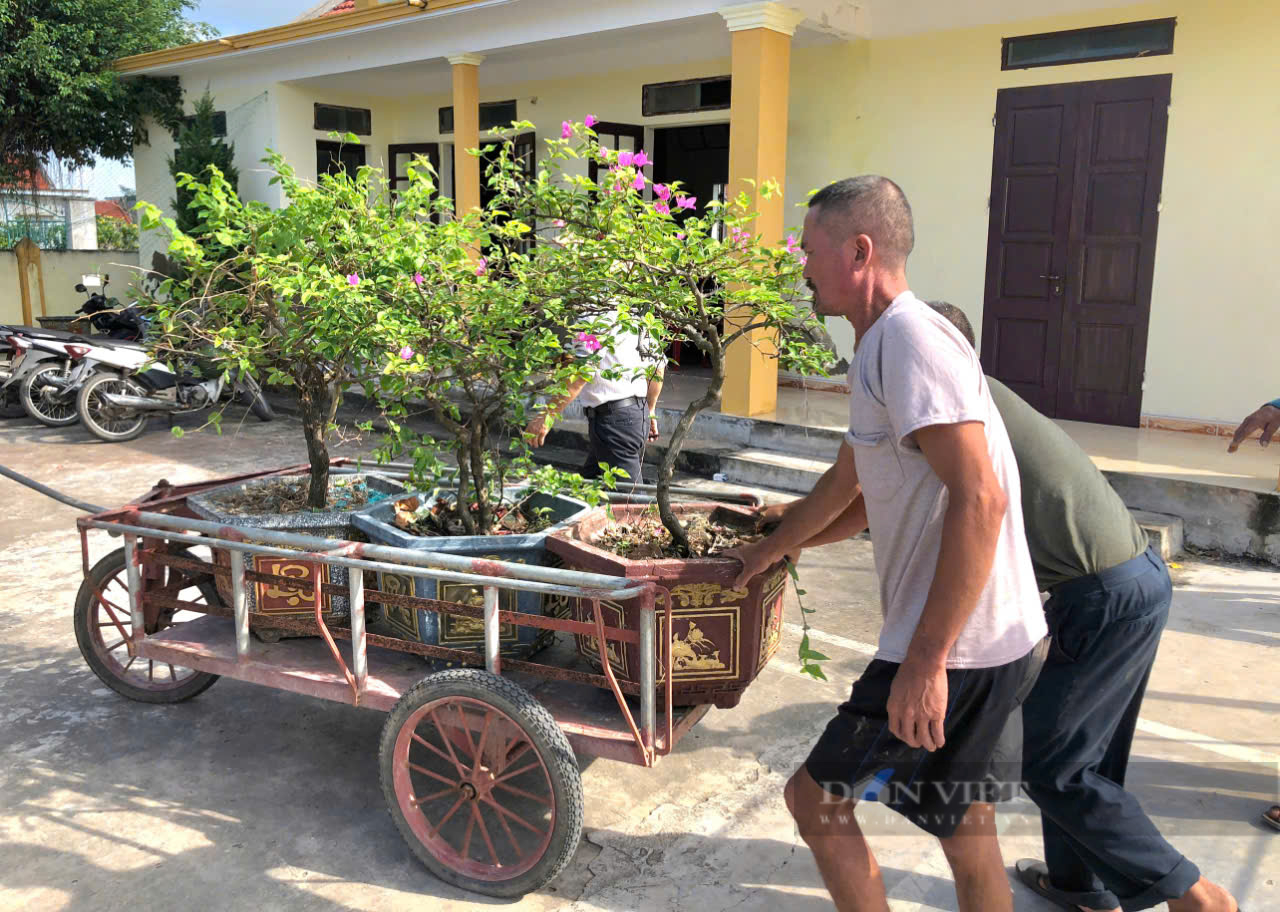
289	495
646	538
443	518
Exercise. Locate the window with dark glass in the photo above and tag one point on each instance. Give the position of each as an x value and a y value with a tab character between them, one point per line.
494	115
1106	42
338	119
686	96
333	157
219	122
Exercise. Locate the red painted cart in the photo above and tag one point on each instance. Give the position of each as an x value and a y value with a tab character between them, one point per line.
479	762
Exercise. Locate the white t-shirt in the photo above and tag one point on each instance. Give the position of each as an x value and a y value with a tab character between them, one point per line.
911	370
625	363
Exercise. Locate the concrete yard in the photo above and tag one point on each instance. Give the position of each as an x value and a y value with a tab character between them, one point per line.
250	798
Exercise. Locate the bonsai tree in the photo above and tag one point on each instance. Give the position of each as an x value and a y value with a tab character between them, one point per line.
705	278
305	296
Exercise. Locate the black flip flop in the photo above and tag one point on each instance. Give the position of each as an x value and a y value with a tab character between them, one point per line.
1269	820
1035	875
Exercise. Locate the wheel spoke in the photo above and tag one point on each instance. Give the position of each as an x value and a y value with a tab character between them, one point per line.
436	776
466	836
484	833
484	736
448	743
524	746
151	671
516	817
462	770
435	830
131	661
173	675
512	837
524	769
116	646
462	717
523	794
419	802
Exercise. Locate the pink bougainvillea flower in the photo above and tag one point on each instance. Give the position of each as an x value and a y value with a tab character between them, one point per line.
792	247
804	258
638	183
640	160
590	121
625	159
418	279
687	202
617	188
661	208
680	235
566	129
662	191
406	353
589	341
559	223
354	279
482	267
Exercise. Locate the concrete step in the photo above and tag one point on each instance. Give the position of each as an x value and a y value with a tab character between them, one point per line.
770	469
1166	532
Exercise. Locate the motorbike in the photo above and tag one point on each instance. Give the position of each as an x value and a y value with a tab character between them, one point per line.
115	406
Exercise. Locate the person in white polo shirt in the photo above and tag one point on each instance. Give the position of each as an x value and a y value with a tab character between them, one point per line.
963	634
620	402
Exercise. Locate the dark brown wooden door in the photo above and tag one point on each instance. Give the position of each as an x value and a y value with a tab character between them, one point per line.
1076	174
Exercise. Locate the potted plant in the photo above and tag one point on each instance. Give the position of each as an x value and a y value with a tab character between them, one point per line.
671	269
303	298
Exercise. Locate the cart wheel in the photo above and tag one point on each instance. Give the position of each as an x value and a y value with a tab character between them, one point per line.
481	783
103	625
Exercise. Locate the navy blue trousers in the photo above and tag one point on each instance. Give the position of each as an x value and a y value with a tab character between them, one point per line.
1079	723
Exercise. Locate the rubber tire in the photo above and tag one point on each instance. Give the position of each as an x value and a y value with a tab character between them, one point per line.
82	409
258	403
546	737
85	609
25	391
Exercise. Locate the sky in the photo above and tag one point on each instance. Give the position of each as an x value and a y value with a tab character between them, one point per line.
229	17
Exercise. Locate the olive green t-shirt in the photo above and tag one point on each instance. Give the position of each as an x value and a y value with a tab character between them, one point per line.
1076	523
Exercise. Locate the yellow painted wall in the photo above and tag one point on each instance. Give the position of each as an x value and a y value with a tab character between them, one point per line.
919	110
62	270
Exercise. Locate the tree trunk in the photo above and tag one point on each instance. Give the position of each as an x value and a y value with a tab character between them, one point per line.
667	468
317	407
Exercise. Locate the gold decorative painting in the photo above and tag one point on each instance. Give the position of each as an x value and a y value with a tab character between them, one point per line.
704	644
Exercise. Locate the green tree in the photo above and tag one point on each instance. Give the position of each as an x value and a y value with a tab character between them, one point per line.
198	147
61	99
116	234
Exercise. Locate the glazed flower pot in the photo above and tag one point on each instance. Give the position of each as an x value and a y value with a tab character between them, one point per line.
268	599
455	631
721	636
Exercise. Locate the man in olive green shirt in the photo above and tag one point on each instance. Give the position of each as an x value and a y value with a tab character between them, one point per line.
1109	602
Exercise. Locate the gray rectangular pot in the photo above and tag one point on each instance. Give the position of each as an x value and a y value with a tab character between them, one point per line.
263	598
453	631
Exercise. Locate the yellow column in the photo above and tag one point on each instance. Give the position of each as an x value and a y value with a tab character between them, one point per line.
466	130
761	70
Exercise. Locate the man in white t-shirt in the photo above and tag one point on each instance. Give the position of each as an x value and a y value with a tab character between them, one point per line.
620	402
963	626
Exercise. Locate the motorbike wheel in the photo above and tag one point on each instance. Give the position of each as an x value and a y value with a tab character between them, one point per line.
105	421
251	395
47	404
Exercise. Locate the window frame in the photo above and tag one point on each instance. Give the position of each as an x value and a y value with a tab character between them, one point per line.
514	102
1172	21
646	104
315	119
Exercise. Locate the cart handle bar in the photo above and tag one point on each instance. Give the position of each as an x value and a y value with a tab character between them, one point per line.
426	564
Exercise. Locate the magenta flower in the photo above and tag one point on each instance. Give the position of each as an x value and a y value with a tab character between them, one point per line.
662	191
483	267
354	279
792	246
661	208
590	121
638	183
406	353
566	129
680	235
625	159
640	160
686	202
589	341
559	223
617	188
418	279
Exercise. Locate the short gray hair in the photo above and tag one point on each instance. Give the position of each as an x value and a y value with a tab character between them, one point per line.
874	206
957	318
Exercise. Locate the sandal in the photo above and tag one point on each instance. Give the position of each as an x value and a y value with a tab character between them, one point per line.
1271	816
1035	875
